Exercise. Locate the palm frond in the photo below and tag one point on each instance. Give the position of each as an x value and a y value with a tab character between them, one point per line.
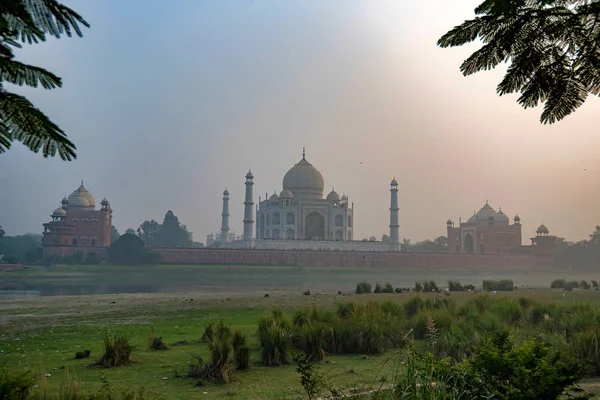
19	74
30	126
55	18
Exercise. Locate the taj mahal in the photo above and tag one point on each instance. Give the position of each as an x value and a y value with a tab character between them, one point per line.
301	217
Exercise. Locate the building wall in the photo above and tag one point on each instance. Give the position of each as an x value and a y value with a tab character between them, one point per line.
65	251
496	239
352	259
90	228
309	245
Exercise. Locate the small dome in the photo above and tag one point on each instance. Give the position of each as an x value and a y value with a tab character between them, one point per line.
517	218
501	217
274	198
249	175
333	196
64	200
344	197
542	229
449	222
394	182
226	192
59	212
104	202
286	194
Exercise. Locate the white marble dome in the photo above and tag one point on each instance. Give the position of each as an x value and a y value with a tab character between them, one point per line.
304	181
502	218
333	196
286	194
486	213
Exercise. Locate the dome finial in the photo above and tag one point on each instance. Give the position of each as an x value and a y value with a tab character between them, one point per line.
304	153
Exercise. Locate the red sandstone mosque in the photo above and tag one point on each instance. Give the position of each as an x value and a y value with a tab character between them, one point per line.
77	226
490	232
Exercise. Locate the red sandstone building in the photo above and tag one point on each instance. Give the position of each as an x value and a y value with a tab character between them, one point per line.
490	232
77	226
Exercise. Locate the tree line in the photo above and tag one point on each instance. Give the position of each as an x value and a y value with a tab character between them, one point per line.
171	233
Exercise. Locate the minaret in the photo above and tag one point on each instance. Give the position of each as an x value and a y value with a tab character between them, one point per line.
249	208
225	218
394	236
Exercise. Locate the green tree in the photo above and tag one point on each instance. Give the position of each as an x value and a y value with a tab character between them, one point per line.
385	238
552	46
114	234
129	249
30	21
172	233
1	232
149	232
130	231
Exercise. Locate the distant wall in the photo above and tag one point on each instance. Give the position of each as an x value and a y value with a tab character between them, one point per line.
311	245
352	259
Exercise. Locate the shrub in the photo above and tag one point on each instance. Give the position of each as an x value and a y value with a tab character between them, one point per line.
117	351
306	293
558	284
310	379
413	306
398	290
82	354
469	287
584	285
388	288
378	288
363	287
275	335
587	346
455	286
219	368
418	287
208	332
594	283
15	385
156	343
573	284
504	285
241	350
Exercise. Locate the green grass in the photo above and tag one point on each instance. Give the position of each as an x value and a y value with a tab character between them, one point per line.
43	334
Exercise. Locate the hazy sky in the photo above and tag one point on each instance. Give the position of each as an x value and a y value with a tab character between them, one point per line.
171	102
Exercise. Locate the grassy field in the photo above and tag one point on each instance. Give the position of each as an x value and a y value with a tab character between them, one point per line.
88	279
42	334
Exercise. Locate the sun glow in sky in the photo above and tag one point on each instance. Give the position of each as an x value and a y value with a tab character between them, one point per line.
171	103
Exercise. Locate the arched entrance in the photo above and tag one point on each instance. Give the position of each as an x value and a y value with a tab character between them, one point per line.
314	227
469	243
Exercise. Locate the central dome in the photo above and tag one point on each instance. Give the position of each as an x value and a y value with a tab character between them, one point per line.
304	181
81	197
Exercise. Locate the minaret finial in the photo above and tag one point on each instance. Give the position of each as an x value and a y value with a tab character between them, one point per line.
303	153
82	182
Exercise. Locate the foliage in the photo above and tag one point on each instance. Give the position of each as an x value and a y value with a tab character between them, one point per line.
114	234
29	21
275	336
220	368
117	351
558	284
584	285
310	378
505	285
129	250
583	255
363	287
388	288
156	343
170	233
378	288
552	47
21	248
15	386
241	350
82	354
426	286
2	232
437	245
